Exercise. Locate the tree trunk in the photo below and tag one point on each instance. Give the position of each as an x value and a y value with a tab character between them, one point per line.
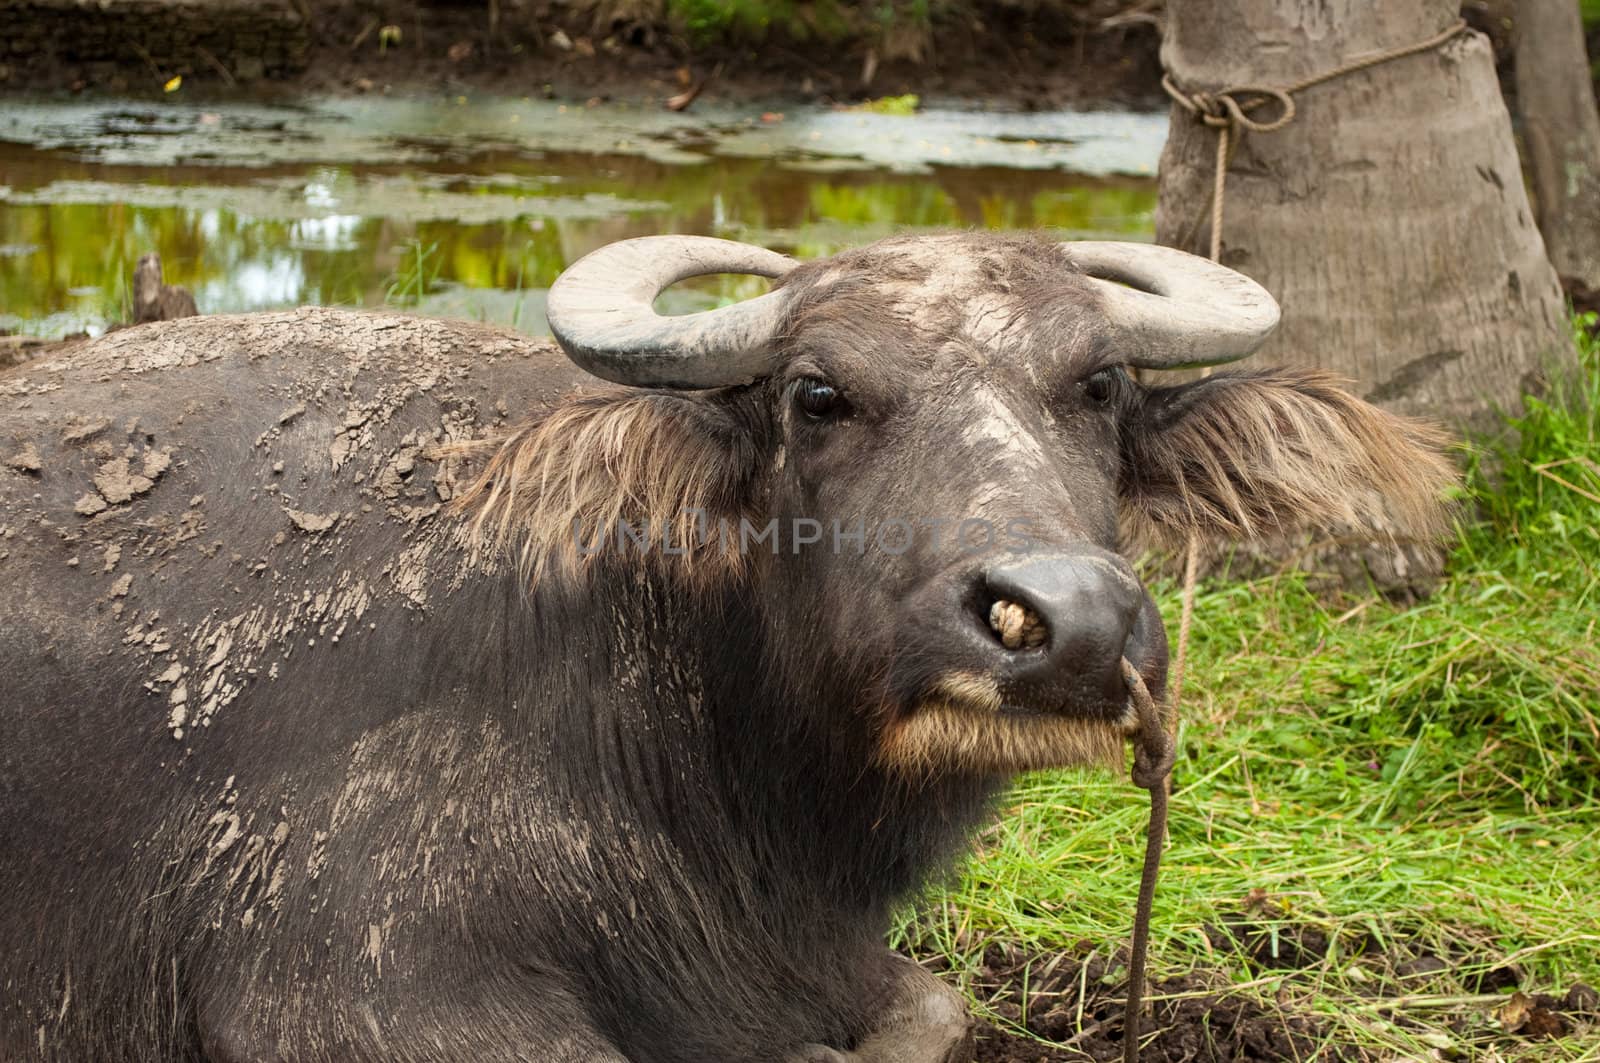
1561	132
1389	217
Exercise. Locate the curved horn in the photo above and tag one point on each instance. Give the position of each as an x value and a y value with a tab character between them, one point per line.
1176	310
601	313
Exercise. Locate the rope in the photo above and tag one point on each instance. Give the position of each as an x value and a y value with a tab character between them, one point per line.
1152	765
1180	660
1228	112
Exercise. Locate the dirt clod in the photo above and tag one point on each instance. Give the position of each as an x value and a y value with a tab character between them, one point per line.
26	459
314	523
118	483
156	462
89	504
84	430
1270	946
1582	1000
1421	967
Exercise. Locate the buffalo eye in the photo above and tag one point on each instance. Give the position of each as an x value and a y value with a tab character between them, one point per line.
1102	387
817	398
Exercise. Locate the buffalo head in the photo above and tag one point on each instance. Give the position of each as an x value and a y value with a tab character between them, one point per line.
920	463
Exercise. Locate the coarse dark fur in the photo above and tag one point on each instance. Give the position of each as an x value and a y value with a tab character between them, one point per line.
300	764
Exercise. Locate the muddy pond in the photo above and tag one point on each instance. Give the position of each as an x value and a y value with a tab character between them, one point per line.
470	207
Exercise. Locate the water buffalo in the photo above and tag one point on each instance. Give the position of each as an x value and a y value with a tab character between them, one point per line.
339	725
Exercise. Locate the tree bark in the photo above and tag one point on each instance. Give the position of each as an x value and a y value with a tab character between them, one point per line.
1389	217
1561	133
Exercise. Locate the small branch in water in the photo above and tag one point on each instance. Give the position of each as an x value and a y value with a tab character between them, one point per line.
869	67
366	31
148	61
682	100
217	65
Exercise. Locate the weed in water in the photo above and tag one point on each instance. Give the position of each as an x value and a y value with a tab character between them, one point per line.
899	106
521	295
414	277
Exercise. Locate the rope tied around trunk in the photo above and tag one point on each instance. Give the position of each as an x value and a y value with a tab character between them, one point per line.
1228	110
1229	113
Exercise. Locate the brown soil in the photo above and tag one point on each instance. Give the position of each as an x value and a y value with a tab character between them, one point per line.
1045	56
1585	300
993	51
1204	1026
1028	55
1073	1005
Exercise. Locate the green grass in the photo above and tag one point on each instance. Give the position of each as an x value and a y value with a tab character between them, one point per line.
827	21
416	274
899	106
1407	780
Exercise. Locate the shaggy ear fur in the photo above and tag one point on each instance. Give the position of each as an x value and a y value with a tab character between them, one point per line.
558	490
1241	455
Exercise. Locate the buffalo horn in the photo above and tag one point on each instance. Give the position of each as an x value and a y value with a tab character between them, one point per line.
1173	310
601	312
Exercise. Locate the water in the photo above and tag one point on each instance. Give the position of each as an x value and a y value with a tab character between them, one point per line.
470	208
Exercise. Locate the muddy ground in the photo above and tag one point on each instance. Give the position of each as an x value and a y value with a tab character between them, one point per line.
996	53
991	51
1073	1006
1071	53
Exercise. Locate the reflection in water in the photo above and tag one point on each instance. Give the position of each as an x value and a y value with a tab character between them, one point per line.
502	225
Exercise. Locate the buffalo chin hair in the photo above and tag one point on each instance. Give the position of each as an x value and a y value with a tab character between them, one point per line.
941	736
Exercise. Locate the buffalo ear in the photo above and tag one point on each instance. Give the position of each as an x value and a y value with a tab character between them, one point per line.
558	492
1243	455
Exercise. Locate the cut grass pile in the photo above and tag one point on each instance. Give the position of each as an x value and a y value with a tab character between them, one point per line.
1419	787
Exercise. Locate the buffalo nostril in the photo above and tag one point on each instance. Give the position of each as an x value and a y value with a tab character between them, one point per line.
1017	626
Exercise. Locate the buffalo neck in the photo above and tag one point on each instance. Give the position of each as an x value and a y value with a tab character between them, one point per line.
668	705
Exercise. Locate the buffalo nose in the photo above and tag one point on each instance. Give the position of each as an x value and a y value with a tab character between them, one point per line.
1063	622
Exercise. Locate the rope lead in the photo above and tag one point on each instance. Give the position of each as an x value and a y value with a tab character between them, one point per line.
1228	112
1152	765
